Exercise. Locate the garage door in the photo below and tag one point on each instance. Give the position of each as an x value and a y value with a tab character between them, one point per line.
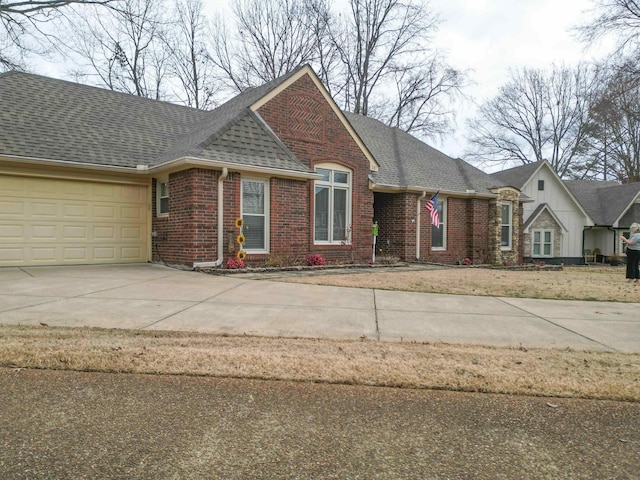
45	221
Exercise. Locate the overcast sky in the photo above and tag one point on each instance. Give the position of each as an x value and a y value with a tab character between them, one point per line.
491	36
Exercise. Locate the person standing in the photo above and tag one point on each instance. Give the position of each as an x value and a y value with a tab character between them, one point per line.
633	253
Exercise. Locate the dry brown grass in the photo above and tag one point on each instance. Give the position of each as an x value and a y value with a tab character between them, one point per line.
563	373
601	283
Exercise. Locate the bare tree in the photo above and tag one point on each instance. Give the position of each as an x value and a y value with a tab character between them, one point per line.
615	127
270	38
23	26
620	18
384	46
373	42
537	115
123	50
190	63
422	104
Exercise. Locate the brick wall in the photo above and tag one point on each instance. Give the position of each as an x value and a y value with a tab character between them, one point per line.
468	225
396	233
188	234
301	117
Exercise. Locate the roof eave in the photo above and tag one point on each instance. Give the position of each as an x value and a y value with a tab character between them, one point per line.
186	162
35	161
387	188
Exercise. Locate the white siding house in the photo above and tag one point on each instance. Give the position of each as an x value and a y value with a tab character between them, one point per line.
567	218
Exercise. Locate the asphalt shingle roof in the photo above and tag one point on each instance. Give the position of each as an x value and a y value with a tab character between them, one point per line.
53	119
408	162
604	201
517	176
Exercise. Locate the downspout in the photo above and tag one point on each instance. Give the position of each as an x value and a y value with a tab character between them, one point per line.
418	211
223	176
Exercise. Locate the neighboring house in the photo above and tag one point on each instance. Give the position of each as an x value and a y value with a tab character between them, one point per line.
92	176
613	207
567	218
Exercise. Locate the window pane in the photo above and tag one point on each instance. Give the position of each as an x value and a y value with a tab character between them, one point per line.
339	215
322	214
506	214
326	174
547	237
253	231
536	249
547	249
253	197
505	239
164	189
164	205
437	237
536	237
340	177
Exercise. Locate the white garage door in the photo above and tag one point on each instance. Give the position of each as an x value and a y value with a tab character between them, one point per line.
45	221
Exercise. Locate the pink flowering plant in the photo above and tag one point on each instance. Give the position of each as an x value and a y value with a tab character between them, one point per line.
235	263
315	260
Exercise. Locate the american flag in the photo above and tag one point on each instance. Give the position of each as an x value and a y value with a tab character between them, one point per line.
432	208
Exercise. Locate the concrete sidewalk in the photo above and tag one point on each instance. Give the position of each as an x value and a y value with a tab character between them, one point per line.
153	297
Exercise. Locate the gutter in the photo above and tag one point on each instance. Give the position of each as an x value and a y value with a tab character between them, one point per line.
238	167
418	211
223	176
177	164
382	188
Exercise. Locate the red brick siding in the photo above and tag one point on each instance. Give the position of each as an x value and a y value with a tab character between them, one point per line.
396	233
188	234
467	228
289	222
305	122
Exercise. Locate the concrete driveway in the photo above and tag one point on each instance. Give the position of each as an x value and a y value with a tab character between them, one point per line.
154	297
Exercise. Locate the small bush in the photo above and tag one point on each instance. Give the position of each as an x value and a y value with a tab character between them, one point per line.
466	261
315	260
235	263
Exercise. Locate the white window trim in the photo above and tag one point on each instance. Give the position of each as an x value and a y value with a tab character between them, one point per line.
542	232
160	181
267	212
442	219
349	188
510	225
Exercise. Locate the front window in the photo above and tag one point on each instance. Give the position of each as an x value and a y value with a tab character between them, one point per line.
505	238
332	215
162	199
542	243
439	235
255	208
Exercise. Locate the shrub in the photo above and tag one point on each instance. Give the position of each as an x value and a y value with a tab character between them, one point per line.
315	260
466	261
235	263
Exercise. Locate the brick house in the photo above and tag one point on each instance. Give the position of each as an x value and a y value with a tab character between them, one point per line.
93	176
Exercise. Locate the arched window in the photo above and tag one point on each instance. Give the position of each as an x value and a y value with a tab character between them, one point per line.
332	205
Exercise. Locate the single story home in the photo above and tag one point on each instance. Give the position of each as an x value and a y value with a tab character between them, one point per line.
570	221
277	173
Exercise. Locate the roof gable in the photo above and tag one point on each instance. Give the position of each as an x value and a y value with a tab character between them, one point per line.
522	176
543	207
294	77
